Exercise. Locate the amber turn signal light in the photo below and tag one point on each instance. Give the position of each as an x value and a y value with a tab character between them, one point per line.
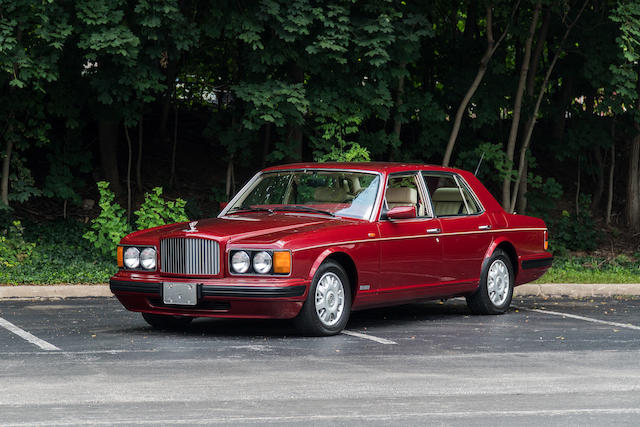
120	256
282	262
546	240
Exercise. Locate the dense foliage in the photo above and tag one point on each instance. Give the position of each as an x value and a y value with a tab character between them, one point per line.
195	96
111	225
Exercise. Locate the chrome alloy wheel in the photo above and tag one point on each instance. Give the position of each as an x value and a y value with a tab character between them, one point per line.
498	282
329	299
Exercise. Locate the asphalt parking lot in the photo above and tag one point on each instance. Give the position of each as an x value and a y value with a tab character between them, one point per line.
90	362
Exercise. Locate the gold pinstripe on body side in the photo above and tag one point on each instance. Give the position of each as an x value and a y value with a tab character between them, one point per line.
417	236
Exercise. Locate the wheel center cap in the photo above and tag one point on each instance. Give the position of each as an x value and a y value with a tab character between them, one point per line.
331	299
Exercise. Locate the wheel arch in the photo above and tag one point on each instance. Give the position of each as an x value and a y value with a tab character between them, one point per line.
509	249
342	258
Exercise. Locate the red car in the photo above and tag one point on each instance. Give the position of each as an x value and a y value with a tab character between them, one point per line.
312	242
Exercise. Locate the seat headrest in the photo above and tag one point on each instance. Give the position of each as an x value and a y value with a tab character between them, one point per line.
329	194
402	195
447	194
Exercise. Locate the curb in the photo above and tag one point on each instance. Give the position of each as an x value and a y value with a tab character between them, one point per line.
54	291
577	290
571	290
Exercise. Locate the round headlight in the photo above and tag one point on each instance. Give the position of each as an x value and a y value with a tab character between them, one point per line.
148	258
240	262
262	262
132	257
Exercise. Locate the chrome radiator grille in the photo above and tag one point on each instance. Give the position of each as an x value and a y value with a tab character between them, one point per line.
190	256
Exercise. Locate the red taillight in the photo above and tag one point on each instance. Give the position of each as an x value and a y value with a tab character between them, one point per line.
546	240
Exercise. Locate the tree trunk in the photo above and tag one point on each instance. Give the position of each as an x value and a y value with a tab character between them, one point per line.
611	172
230	183
108	138
166	100
577	201
522	194
139	159
565	100
529	91
537	53
295	130
633	185
599	190
471	24
172	175
397	121
633	180
482	68
126	134
532	120
266	144
517	108
6	164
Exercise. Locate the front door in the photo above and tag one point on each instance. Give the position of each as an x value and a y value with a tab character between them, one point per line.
410	249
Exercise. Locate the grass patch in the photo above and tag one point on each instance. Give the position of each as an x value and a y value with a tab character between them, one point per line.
586	269
53	253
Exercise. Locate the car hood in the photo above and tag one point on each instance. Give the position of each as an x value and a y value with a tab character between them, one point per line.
254	228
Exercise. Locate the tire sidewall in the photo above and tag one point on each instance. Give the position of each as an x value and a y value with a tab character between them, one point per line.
314	324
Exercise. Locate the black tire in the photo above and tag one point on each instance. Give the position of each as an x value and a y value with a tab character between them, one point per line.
166	322
490	298
309	321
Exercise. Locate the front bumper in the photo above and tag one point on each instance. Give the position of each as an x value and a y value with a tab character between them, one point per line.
231	297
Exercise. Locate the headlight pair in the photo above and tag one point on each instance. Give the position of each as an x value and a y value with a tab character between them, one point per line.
260	262
133	257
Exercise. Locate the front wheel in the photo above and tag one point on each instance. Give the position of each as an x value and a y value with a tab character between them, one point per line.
496	286
165	322
328	305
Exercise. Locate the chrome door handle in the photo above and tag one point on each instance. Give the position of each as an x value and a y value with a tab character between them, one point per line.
433	230
484	227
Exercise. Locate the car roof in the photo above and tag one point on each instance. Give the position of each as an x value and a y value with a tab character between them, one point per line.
387	167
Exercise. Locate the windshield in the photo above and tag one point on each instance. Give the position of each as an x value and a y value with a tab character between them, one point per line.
334	193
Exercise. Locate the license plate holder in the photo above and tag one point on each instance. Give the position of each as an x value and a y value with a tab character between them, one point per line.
179	293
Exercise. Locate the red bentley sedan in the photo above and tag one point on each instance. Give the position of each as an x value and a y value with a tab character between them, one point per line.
312	242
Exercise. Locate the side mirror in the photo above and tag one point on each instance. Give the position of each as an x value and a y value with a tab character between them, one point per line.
402	212
223	205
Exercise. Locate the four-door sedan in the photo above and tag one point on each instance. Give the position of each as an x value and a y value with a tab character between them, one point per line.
312	242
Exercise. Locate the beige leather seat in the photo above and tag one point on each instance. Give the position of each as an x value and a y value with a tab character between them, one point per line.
404	196
447	201
330	195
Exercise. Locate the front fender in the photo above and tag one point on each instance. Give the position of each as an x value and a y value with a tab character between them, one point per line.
319	260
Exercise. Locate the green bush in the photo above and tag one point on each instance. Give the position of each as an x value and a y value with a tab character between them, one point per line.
57	254
13	248
110	226
574	231
155	211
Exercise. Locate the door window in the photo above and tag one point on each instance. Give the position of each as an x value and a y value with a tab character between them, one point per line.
403	190
450	195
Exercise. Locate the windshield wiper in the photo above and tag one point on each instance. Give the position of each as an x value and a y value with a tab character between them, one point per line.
304	209
249	209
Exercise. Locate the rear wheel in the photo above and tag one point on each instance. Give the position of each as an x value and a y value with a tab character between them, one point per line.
165	322
496	286
328	305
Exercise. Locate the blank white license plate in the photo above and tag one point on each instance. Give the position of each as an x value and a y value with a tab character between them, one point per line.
180	293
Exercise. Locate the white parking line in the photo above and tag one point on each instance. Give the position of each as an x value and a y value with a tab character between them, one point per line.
298	419
369	337
586	319
27	336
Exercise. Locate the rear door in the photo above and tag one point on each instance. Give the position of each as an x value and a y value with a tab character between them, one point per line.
466	227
